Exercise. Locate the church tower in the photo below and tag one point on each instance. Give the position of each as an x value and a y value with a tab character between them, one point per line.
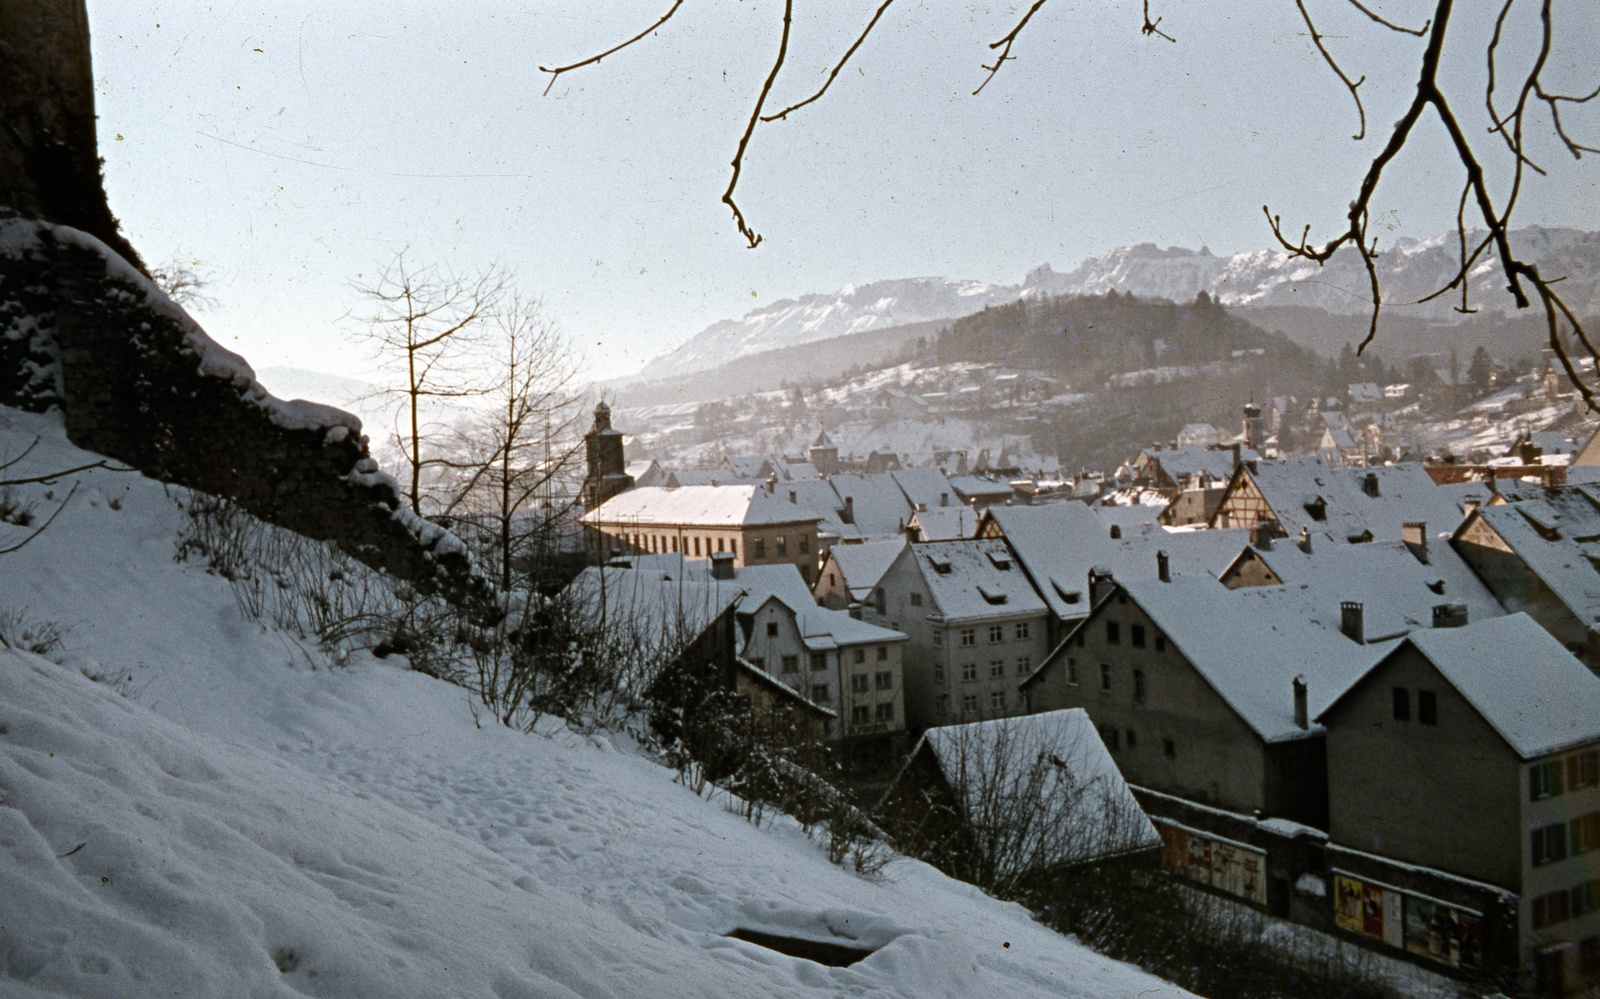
607	467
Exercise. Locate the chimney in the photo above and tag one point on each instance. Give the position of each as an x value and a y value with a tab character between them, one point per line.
1101	584
722	565
1261	535
772	484
1415	534
1450	616
1350	621
1305	540
848	515
1163	567
1300	712
1369	485
1238	457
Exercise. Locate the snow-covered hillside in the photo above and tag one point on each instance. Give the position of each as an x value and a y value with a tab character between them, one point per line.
852	309
196	804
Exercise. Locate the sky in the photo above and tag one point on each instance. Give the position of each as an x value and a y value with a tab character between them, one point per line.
288	151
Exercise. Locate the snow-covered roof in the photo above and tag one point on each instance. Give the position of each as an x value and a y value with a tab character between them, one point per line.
1250	644
927	486
878	506
976	580
1398	592
661	613
1558	538
1059	543
749	466
1129	518
1533	692
971	487
863	565
708	477
946	523
699	506
1188	460
1349	506
1056	759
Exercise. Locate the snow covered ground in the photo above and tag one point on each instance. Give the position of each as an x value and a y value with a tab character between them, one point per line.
194	804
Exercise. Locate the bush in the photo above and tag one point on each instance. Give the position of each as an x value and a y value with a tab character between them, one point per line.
19	631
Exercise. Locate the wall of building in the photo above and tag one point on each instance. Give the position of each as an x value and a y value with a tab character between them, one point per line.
1518	589
1444	796
1574	816
1213	755
879	668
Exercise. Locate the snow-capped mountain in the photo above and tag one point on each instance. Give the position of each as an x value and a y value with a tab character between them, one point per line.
851	309
1409	270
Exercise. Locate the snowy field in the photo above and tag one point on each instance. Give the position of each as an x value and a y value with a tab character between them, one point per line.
192	804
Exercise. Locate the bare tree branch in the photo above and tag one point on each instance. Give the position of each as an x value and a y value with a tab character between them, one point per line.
556	71
837	67
1352	86
1419	32
1150	27
753	237
1004	45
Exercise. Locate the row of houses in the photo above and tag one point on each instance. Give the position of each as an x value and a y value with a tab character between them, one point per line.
1297	687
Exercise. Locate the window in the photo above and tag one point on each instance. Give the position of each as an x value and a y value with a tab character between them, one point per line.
1136	635
719	544
1544	781
916	600
997	700
819	661
1169	749
969	704
997	669
1583	769
1024	665
819	693
772	629
969	671
1108	735
1549	843
1138	686
1072	671
969	636
884	712
1105	676
997	634
805	544
733	547
880	600
1161	643
1020	632
938	672
1585	833
1402	703
791	664
674	543
708	548
1133	739
883	653
1551	909
861	714
783	545
759	662
1427	708
943	705
1585	898
761	548
1589	957
883	680
1113	633
938	637
860	683
697	547
858	655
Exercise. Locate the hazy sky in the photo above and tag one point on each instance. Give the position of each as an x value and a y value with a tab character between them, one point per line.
290	147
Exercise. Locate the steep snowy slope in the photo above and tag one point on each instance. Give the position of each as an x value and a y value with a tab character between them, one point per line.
194	804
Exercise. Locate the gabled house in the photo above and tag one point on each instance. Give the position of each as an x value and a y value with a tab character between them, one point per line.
943	524
1295	495
1476	751
851	576
980	493
1208	693
1539	555
997	801
975	626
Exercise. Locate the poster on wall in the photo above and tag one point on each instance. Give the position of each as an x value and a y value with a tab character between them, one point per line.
1348	905
1234	868
1441	933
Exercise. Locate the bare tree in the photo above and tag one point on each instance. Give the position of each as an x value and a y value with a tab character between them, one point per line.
1519	102
20	513
184	284
422	324
520	449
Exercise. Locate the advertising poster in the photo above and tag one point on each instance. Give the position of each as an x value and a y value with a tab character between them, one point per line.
1348	903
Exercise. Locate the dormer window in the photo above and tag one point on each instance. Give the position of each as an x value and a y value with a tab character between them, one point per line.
1318	509
1001	561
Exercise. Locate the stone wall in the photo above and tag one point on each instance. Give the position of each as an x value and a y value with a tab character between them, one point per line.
138	381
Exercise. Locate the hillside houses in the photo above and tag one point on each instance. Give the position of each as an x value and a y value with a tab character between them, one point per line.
1274	683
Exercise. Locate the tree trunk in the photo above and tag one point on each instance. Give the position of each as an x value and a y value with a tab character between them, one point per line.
49	154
